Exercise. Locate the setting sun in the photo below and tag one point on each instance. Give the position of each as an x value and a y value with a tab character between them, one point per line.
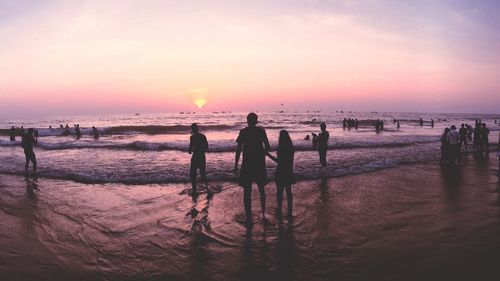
200	103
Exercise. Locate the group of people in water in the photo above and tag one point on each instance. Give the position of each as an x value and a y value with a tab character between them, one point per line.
253	143
452	141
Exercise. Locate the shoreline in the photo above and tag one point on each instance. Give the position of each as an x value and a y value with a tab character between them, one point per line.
409	222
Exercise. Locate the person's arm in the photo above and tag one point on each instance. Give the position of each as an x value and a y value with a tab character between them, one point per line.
205	143
190	149
237	157
267	147
238	152
272	157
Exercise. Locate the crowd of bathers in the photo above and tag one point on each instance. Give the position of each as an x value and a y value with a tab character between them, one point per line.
453	140
253	143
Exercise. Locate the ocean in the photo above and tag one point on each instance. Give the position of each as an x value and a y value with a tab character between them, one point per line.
152	148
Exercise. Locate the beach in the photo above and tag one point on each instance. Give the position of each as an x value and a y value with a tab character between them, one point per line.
411	222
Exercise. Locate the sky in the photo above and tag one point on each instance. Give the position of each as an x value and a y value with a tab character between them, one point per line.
98	57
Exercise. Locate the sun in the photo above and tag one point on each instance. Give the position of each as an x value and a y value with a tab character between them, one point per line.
200	102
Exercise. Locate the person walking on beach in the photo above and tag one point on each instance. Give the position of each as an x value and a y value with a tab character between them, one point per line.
453	145
12	134
27	143
253	141
444	147
323	144
284	171
198	144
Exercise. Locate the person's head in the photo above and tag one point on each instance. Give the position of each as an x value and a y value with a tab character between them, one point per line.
284	140
252	119
322	126
446	130
453	127
194	128
463	125
484	125
12	128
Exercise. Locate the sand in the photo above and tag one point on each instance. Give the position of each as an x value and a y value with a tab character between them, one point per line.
418	222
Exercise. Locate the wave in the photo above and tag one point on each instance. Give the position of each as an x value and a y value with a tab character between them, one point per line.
221	146
164	178
125	130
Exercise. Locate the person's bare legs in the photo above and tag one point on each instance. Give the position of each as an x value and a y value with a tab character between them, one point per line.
289	199
247	201
279	198
262	200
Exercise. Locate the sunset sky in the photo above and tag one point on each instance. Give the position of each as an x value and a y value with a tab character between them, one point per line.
86	57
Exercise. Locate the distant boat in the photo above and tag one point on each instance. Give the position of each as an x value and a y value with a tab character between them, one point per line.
137	114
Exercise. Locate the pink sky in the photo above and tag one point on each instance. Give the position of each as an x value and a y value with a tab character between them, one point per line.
80	57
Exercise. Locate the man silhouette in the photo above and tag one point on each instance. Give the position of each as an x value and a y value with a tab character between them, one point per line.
255	145
198	144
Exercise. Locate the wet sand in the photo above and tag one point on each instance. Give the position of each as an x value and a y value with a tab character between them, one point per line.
418	222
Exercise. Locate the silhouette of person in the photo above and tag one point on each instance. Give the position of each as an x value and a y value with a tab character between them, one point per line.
253	141
323	144
12	134
21	131
77	131
35	135
198	144
484	138
432	123
27	143
453	145
421	122
356	123
399	126
444	147
463	136
95	133
284	171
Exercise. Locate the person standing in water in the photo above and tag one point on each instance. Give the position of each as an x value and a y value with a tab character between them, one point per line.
78	133
284	171
27	143
198	144
95	133
253	141
453	139
444	147
323	144
485	144
12	134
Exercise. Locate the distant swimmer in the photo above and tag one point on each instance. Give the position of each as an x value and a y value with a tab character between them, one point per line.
254	143
307	138
323	144
284	171
12	134
198	144
27	144
95	133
